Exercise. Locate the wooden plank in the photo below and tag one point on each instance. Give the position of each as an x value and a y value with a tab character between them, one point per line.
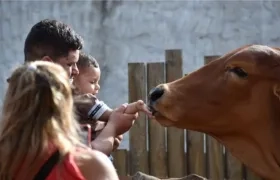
216	170
251	175
175	136
208	59
195	151
234	170
137	135
215	149
157	155
120	161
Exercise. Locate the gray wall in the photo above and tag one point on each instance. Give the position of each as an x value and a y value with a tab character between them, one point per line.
117	32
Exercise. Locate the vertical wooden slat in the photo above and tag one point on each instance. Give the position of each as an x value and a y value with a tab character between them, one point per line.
234	167
120	161
175	136
252	176
138	146
216	170
195	152
214	149
157	155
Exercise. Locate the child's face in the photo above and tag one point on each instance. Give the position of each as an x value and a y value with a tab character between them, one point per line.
88	80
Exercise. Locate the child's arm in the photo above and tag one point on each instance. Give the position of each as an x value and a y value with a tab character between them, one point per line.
105	116
89	109
131	109
100	111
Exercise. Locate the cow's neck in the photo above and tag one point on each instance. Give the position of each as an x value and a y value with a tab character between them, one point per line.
257	147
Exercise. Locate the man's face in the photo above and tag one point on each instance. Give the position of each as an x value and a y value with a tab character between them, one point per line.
69	63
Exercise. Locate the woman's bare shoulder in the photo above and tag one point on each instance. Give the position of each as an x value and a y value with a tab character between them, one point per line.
95	165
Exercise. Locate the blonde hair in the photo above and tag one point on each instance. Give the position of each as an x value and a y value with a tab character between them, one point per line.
37	110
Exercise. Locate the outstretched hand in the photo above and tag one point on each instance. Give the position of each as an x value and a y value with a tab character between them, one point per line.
141	106
138	106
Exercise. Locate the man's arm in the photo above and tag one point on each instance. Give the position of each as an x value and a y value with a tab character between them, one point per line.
104	142
86	105
118	124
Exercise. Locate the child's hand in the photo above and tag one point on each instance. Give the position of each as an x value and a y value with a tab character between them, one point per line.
138	106
141	106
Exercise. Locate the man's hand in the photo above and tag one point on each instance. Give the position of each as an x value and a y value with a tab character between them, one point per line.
100	126
120	122
117	142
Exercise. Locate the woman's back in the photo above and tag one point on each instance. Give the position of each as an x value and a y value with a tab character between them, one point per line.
81	164
52	166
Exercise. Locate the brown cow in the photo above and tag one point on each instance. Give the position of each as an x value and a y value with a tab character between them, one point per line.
235	99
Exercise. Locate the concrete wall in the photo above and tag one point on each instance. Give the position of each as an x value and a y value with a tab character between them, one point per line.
117	32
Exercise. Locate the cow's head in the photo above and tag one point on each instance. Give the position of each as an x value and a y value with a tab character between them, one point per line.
233	98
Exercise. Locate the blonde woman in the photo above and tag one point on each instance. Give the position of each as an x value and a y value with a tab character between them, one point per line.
39	139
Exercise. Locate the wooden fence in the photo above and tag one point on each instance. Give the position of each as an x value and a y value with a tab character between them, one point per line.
171	152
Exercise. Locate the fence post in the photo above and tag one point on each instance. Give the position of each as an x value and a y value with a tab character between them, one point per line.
251	175
157	154
214	149
175	136
195	152
120	162
137	135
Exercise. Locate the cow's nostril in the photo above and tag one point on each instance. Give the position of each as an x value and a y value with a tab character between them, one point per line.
156	93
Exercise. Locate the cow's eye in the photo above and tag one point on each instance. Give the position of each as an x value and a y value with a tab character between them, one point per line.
239	72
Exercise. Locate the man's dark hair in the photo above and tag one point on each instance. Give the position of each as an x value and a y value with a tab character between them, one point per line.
51	38
86	60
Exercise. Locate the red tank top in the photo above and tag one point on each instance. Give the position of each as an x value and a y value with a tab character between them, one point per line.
67	170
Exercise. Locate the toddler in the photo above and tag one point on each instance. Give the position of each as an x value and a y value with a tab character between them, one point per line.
87	81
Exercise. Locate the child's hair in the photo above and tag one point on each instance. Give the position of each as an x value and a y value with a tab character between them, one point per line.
86	60
37	110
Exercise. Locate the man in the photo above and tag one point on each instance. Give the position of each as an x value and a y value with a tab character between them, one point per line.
55	41
51	40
